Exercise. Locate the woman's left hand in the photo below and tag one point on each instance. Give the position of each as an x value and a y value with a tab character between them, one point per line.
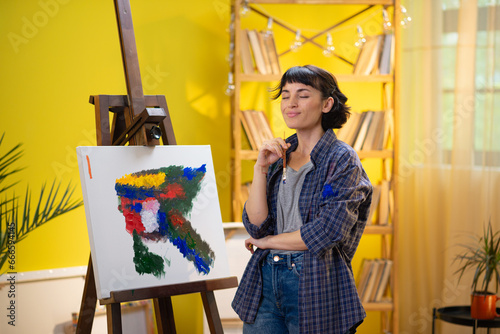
259	243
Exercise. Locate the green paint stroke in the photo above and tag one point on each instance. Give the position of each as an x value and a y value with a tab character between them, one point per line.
145	261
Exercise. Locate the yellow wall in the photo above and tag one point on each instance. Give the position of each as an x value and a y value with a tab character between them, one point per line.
55	53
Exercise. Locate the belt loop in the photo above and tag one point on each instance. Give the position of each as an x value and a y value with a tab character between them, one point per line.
289	261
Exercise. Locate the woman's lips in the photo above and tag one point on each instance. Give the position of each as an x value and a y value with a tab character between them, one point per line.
291	114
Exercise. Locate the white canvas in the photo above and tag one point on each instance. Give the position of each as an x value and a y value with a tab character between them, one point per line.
191	248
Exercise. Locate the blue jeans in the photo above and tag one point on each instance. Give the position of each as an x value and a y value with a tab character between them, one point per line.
279	304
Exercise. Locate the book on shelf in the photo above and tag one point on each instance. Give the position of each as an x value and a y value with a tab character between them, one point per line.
384	281
380	136
375	129
370	285
374	204
259	48
364	276
272	52
346	129
386	54
368	56
377	279
374	279
353	133
256	126
249	131
384	205
246	53
265	54
265	127
364	131
258	55
376	55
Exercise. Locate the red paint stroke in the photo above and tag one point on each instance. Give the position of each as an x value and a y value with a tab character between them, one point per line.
174	190
133	221
88	164
132	218
176	219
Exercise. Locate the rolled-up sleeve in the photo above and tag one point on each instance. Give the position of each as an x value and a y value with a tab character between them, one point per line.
257	232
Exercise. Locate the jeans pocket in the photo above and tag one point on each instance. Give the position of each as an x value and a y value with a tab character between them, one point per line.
297	268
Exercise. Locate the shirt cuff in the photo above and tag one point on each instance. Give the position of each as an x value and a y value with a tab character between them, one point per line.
255	231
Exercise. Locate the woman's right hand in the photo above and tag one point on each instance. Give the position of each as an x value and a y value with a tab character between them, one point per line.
256	205
270	151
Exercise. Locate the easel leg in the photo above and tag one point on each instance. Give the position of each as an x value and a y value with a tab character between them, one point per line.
114	315
212	312
89	302
164	313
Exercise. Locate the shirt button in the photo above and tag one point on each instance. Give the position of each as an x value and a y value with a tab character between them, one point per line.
276	258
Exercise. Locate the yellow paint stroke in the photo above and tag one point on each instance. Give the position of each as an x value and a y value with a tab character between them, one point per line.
146	181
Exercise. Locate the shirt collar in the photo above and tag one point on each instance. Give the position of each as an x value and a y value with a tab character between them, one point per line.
318	151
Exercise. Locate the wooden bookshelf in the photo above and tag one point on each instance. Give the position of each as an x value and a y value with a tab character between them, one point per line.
388	155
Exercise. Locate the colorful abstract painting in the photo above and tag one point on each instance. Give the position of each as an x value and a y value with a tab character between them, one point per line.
154	204
153	216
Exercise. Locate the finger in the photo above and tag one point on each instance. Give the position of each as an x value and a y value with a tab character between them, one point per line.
276	146
284	145
250	248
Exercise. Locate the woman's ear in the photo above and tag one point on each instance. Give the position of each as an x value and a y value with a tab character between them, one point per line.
328	104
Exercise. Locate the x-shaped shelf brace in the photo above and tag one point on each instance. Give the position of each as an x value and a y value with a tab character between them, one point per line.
311	39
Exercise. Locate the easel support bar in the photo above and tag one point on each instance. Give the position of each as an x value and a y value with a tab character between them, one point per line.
170	290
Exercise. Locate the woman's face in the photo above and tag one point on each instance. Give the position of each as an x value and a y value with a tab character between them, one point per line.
302	106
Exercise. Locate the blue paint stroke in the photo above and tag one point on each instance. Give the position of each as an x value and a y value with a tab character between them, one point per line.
190	173
328	191
200	264
132	192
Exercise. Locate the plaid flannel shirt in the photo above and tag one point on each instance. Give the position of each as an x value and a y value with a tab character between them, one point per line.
334	205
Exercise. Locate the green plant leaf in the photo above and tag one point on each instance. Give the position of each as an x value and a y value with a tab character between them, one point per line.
48	207
483	256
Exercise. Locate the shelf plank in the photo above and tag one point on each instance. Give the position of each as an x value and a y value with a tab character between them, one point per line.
326	2
260	77
382	306
364	78
249	154
379	154
378	229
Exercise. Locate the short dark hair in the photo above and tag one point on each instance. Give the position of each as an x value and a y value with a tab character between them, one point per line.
326	83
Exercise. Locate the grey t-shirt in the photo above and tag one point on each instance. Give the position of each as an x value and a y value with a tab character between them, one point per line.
288	215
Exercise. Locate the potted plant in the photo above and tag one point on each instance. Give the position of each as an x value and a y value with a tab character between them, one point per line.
483	257
17	221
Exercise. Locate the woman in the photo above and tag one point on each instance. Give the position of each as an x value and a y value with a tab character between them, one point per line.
306	225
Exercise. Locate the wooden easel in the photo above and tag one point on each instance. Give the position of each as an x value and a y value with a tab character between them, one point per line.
136	120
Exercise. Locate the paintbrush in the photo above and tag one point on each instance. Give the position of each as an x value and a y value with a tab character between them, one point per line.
284	161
